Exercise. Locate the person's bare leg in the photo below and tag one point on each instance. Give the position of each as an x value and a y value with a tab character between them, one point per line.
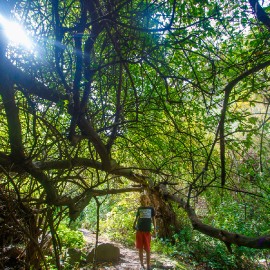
148	259
141	256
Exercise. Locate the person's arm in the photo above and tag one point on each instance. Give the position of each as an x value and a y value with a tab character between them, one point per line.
154	222
155	225
135	222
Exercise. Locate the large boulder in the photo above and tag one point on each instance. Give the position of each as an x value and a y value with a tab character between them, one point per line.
105	253
74	256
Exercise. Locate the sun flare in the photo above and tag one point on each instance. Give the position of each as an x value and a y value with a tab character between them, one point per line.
15	33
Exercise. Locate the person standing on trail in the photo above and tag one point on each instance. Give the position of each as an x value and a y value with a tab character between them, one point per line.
143	222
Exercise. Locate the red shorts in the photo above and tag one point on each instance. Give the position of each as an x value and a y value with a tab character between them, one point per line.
143	240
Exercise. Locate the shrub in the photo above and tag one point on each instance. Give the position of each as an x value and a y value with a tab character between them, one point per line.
70	238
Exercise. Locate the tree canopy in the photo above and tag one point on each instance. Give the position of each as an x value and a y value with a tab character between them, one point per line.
125	95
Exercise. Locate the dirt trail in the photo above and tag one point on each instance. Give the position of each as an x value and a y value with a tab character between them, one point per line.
129	259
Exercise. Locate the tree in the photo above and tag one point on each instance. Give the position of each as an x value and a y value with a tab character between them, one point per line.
150	91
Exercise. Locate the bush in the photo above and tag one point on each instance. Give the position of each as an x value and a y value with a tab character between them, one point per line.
70	238
119	220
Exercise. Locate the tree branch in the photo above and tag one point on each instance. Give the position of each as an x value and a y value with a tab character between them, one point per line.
12	114
80	202
227	91
33	86
260	13
260	242
116	169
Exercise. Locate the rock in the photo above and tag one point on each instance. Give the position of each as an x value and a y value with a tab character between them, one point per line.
105	253
74	255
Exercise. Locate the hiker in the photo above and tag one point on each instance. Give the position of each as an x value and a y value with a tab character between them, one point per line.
144	218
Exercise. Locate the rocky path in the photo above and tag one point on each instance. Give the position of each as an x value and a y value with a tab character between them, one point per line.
129	259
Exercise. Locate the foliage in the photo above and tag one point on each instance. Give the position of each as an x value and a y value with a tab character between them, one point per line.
190	246
198	250
121	93
70	238
118	222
